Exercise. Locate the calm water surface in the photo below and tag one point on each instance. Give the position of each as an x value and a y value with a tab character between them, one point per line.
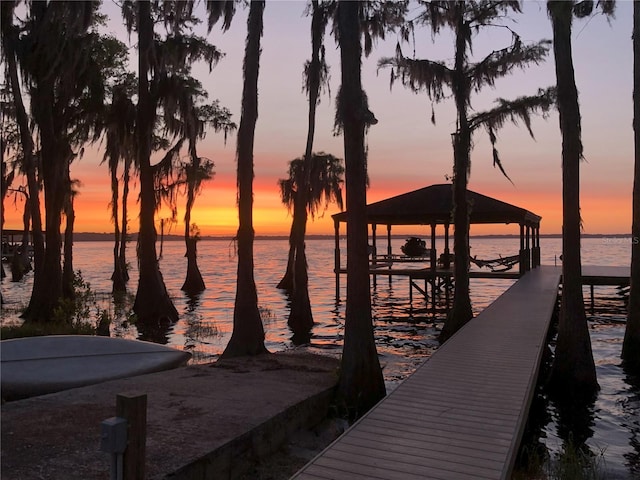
404	336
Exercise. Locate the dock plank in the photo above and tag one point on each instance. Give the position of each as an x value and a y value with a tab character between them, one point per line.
462	413
420	448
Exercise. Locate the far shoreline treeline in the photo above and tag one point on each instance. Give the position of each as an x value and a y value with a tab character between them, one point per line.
103	237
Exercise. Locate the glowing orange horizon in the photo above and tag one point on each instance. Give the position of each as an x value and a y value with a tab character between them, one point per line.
215	211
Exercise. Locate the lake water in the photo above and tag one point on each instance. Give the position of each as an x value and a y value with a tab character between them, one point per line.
404	336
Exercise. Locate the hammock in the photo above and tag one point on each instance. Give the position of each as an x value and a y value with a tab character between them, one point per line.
501	264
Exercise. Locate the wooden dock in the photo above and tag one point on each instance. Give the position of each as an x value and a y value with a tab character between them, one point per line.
435	279
601	275
461	415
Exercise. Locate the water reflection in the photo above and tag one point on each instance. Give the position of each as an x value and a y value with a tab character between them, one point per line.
300	334
196	329
599	439
193	301
120	312
631	409
156	331
575	421
533	453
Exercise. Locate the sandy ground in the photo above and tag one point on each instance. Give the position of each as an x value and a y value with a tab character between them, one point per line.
192	411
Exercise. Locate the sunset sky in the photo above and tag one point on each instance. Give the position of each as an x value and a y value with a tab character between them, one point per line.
406	151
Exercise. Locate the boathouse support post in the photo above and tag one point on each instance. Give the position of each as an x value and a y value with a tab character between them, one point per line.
374	247
447	262
336	257
374	253
528	247
432	260
432	251
533	246
536	246
389	251
522	251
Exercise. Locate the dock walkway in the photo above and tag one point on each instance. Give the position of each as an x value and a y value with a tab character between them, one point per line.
461	415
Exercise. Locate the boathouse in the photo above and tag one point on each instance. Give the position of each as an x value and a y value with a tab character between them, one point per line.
433	206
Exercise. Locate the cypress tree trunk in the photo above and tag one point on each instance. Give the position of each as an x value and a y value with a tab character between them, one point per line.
152	303
573	372
20	263
248	333
193	283
117	277
68	290
47	286
125	229
47	281
28	162
286	283
461	311
301	317
631	344
361	384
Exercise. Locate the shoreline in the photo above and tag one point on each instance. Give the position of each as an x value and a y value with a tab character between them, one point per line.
108	237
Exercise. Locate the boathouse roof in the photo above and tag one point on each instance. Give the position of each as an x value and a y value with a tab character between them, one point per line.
434	205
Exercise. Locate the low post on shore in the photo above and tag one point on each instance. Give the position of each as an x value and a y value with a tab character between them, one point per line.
133	408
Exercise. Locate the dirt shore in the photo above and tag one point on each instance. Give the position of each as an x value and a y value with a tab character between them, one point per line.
262	412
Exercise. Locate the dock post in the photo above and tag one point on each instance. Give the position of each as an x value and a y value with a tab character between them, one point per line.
374	254
447	260
410	290
432	250
133	408
433	292
447	283
528	246
536	246
522	265
389	249
336	258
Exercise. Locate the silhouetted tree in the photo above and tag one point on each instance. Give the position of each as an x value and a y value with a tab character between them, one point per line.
195	171
10	42
10	144
573	373
310	187
248	333
164	85
120	149
8	139
110	56
6	178
68	274
20	258
63	72
361	384
465	18
316	73
152	302
631	344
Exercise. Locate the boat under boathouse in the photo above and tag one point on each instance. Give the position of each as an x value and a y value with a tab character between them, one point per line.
433	206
